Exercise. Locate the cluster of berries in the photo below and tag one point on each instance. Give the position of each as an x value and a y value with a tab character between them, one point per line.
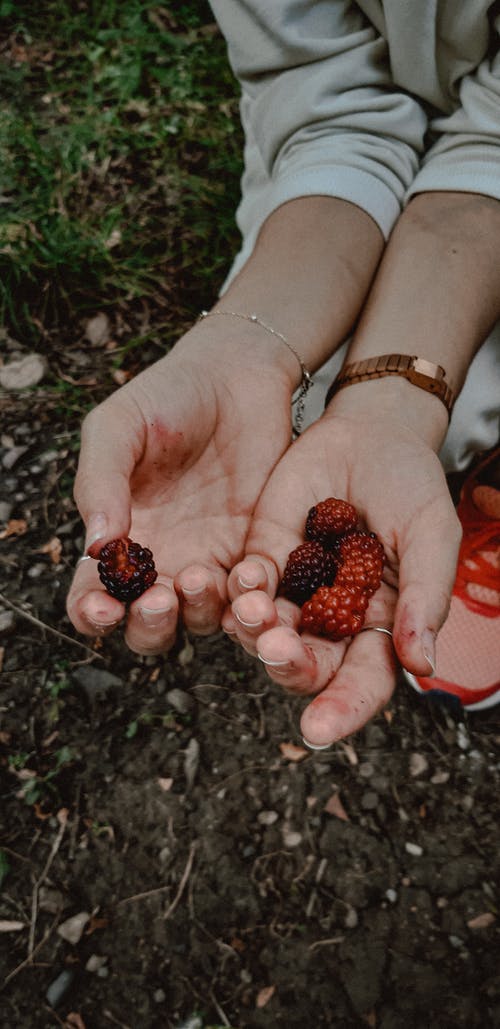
335	572
126	569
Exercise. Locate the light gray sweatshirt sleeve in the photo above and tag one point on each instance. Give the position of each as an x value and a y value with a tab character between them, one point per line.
319	111
465	154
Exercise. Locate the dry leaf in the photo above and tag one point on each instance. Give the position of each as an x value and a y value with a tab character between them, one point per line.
165	784
264	996
121	376
72	929
23	373
482	921
292	752
334	806
388	715
15	527
349	752
11	927
5	737
74	1021
53	548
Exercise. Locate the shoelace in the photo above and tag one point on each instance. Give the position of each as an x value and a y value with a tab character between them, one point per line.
481	536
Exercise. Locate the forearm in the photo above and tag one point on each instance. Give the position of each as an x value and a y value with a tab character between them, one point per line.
309	275
436	295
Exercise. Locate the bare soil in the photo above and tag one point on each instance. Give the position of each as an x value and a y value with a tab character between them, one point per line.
221	879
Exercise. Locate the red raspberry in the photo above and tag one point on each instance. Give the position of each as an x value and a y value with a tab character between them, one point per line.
308	567
329	519
361	558
335	612
126	569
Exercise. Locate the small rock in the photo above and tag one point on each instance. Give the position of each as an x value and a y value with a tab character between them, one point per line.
482	921
439	778
36	570
462	737
414	849
95	962
418	765
191	761
391	896
456	942
72	929
159	996
291	838
6	509
103	972
50	900
351	919
26	372
267	817
59	987
369	800
97	329
181	701
366	769
95	680
11	457
7	621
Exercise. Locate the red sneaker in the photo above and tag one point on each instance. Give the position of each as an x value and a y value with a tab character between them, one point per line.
468	645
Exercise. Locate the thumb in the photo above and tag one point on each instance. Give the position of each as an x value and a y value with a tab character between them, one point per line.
110	447
426	578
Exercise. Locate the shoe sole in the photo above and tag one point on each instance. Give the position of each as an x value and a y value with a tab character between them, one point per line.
479	705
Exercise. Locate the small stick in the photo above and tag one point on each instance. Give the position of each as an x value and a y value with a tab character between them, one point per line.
48	628
34	900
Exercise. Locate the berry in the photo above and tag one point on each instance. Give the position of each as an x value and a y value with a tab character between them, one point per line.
329	519
126	569
308	567
334	612
361	559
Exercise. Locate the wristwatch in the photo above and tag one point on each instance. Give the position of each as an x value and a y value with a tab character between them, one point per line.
417	370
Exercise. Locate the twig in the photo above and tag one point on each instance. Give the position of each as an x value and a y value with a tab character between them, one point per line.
220	1011
326	943
29	959
48	628
110	1015
185	876
161	889
39	882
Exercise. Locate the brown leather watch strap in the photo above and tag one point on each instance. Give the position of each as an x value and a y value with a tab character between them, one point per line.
417	370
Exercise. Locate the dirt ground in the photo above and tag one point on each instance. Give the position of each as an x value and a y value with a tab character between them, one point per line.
220	876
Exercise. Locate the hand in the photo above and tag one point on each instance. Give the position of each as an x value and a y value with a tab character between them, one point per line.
396	482
176	459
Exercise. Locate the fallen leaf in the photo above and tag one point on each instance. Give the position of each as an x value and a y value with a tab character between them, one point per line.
97	329
96	923
11	927
334	806
41	815
15	527
26	372
74	1021
121	376
482	921
293	753
53	548
165	784
5	737
264	996
349	752
388	715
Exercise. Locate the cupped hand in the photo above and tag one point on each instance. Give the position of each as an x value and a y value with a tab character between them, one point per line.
176	459
397	484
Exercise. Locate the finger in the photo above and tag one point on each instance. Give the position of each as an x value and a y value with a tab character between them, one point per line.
110	447
426	578
301	664
90	609
362	686
152	621
253	614
255	572
202	598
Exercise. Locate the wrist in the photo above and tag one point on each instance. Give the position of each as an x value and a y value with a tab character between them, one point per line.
396	400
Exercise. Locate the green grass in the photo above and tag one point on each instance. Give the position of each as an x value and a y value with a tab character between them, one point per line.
119	158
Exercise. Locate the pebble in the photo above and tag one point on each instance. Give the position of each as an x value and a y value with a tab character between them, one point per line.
267	817
59	987
291	838
36	570
366	770
6	621
20	374
6	509
418	764
414	849
72	929
159	996
181	701
369	800
391	896
351	919
11	457
103	972
439	778
463	740
95	680
95	962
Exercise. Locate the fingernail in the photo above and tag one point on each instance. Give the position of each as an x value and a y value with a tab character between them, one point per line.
316	746
152	617
194	597
248	625
246	585
96	529
279	666
105	625
428	641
